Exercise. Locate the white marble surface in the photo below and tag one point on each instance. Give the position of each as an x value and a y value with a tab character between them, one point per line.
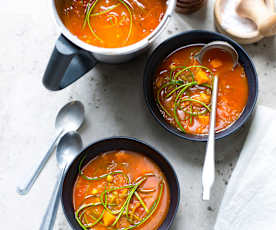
114	104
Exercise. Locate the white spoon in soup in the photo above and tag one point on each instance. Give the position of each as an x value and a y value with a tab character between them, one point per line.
208	171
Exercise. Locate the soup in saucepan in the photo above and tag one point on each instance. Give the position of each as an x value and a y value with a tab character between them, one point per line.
121	190
183	89
112	23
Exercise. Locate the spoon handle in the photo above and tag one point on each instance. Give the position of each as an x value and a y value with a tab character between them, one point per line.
208	172
51	212
26	187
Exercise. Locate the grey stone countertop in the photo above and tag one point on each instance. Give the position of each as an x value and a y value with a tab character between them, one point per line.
114	103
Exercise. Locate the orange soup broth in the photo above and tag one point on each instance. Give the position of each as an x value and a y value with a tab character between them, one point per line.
112	28
134	165
232	89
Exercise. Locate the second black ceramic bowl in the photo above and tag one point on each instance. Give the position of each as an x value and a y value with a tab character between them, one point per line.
118	143
188	38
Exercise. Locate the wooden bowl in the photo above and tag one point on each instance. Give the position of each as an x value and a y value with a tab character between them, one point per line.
188	6
240	38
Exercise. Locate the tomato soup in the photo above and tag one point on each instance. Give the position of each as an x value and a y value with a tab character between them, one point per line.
121	190
183	89
112	23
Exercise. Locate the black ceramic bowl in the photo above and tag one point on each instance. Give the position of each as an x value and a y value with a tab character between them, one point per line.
118	143
188	38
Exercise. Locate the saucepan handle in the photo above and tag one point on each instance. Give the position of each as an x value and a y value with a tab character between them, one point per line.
67	64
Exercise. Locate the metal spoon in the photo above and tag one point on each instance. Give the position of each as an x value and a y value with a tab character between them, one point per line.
220	45
208	171
69	118
68	148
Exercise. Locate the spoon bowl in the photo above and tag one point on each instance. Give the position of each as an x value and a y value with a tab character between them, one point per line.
69	146
70	117
219	45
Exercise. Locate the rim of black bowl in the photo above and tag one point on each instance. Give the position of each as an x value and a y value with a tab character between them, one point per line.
127	143
188	38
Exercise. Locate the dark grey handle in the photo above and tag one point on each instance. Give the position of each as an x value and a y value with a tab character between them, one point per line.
67	64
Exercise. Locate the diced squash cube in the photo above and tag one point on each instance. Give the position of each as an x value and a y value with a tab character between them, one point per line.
201	77
172	66
109	178
137	205
115	193
203	97
204	120
123	193
112	198
215	63
94	191
108	218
